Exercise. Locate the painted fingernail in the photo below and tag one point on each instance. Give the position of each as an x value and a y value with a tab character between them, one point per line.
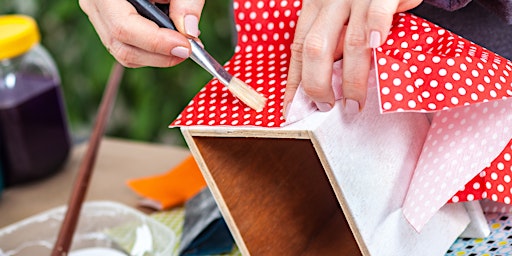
200	43
350	106
192	25
374	39
323	106
180	52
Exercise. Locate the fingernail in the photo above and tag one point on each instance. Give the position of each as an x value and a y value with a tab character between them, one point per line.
180	52
374	39
192	25
200	43
350	106
323	106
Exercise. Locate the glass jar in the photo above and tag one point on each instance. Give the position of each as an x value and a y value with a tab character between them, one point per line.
34	137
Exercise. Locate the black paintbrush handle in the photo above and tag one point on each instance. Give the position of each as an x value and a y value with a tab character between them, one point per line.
152	12
199	55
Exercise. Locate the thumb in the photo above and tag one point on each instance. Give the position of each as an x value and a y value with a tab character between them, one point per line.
186	14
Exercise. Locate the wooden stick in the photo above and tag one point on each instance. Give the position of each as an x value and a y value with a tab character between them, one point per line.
68	226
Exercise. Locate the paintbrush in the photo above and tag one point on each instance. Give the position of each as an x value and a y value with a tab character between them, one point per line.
239	89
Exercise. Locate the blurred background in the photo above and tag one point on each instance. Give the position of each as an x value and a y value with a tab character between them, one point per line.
149	98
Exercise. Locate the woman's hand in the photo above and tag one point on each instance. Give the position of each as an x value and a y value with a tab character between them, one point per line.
330	29
136	41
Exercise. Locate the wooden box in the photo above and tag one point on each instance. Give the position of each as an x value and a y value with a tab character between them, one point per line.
331	184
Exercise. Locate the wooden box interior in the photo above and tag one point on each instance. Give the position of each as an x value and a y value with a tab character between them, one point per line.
278	197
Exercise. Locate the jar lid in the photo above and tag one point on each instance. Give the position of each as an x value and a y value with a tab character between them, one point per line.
18	33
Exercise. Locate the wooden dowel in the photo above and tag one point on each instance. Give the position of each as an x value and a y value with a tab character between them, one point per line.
79	190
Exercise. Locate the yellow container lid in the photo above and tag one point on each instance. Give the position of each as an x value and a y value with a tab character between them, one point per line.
18	33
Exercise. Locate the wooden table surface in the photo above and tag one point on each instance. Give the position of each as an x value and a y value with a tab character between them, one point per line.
118	160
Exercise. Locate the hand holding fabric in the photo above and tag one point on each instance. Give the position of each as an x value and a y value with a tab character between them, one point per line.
330	29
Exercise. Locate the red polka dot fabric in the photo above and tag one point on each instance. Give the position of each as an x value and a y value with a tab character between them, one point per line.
493	183
420	68
460	144
265	33
423	67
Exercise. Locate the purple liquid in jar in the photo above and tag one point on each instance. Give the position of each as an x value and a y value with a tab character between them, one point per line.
34	138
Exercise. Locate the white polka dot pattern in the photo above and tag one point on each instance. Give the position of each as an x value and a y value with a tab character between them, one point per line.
423	67
493	183
265	33
460	144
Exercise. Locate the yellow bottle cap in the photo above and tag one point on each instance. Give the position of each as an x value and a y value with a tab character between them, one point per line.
18	33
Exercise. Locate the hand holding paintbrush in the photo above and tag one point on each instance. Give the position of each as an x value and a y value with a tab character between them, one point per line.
242	91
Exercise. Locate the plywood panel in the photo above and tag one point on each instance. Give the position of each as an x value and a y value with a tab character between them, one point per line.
278	196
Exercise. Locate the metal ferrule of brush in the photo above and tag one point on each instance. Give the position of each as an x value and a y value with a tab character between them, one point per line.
206	61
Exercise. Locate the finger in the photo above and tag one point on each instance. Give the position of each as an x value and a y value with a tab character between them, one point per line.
185	14
128	48
127	26
319	53
380	16
306	19
338	53
356	59
96	21
130	56
145	34
103	32
405	5
86	6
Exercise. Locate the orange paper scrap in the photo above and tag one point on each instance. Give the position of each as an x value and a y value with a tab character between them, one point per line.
172	188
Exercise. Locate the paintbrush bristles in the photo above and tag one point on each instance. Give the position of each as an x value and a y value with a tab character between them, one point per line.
247	94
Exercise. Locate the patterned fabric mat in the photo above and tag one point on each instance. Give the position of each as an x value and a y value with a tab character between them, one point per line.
174	220
498	243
